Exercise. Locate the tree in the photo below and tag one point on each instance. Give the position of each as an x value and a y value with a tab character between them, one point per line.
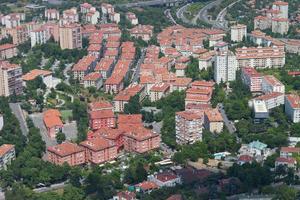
133	106
192	70
60	137
73	193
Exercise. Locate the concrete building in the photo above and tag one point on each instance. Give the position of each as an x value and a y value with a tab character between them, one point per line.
105	67
159	91
70	36
70	16
93	79
44	74
114	17
255	149
39	36
8	51
189	127
272	100
280	25
53	123
262	23
165	179
260	57
213	121
83	67
7	155
283	7
252	79
67	152
102	119
141	140
99	150
131	17
52	14
1	122
145	32
292	107
260	109
238	32
225	67
271	84
10	79
289	152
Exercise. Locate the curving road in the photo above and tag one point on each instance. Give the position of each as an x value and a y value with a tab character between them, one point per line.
150	3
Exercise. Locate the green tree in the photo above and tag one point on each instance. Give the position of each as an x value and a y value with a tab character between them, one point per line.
60	137
133	106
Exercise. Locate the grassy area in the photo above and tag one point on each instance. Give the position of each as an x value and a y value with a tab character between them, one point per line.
66	114
193	10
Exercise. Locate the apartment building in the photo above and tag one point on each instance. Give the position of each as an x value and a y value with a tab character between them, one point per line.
83	67
7	155
272	100
123	97
145	32
238	32
262	23
100	105
70	36
69	16
252	79
12	20
260	57
189	127
99	150
158	91
8	51
271	84
105	67
102	119
225	67
131	17
67	152
93	79
10	79
206	60
280	25
39	36
198	96
213	121
52	122
288	152
292	107
141	140
283	7
52	14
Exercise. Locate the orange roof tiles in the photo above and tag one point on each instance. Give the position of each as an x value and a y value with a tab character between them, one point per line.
147	185
100	105
51	118
97	144
94	76
294	100
7	46
104	64
129	92
5	148
190	115
101	114
160	87
84	63
290	149
65	149
130	119
140	134
213	115
33	74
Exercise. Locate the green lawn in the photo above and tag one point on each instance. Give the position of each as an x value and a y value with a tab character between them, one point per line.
66	114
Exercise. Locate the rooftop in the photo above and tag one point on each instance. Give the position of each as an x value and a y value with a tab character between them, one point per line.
65	149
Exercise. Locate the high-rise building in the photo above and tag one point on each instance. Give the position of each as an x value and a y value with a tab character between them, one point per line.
10	79
225	66
238	32
70	36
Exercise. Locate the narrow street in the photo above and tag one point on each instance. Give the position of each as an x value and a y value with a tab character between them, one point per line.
229	124
136	70
18	112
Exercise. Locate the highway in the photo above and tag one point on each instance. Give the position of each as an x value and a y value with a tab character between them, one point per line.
150	3
169	16
180	13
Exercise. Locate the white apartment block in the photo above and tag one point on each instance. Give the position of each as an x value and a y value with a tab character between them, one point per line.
189	127
52	14
92	17
252	79
283	7
280	25
271	84
39	36
292	107
225	67
238	32
272	100
260	57
10	79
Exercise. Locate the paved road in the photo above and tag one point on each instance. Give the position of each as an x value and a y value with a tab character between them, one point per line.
65	72
229	124
37	119
180	13
220	20
50	188
136	71
169	16
150	3
203	16
18	112
2	196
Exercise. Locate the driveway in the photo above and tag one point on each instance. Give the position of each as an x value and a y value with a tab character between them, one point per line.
18	112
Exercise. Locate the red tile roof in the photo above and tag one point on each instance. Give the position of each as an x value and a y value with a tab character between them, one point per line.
97	144
65	149
51	118
94	76
5	148
101	114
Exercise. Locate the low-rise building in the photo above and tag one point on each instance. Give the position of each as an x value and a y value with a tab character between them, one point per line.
287	162
93	79
66	152
125	195
159	91
44	74
260	110
213	121
145	32
292	107
189	127
102	119
255	149
53	123
83	67
271	84
105	67
99	150
289	152
8	51
7	155
141	140
165	179
131	17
